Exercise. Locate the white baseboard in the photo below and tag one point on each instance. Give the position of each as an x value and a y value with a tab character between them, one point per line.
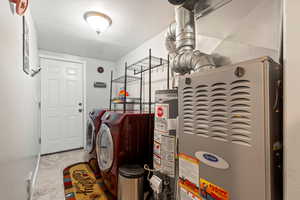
34	177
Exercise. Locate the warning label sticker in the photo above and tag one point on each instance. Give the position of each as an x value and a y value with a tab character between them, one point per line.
168	155
211	191
156	162
189	170
157	136
187	194
156	148
161	117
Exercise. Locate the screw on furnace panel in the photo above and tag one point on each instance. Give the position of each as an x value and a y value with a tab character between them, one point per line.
188	81
239	72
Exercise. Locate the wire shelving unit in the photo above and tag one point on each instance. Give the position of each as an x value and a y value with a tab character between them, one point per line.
139	68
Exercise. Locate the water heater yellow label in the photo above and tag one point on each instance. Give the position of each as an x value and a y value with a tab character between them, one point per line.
211	191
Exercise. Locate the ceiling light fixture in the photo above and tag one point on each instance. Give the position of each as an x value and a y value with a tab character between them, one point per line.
98	21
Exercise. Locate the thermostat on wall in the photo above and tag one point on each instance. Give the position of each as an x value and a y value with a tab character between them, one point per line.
99	85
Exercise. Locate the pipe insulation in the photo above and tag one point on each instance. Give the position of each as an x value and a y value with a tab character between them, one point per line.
181	42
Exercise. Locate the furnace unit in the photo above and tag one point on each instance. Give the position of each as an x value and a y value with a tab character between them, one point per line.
230	133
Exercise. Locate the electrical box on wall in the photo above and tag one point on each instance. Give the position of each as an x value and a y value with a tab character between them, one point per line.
230	132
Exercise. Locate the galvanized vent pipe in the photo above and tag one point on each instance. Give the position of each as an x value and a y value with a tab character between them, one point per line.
180	42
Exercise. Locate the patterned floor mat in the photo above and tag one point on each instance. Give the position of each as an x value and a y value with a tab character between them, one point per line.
82	181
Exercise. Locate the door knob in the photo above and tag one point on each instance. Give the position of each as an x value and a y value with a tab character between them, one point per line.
80	104
80	110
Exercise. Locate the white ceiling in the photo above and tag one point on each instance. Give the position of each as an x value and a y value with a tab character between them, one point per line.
61	27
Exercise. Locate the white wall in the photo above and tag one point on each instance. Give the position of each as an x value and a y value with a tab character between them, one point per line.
291	100
256	32
19	116
96	97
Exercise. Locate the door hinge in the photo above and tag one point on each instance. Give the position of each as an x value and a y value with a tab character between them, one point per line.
40	140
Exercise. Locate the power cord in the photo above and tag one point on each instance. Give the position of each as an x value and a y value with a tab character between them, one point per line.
147	168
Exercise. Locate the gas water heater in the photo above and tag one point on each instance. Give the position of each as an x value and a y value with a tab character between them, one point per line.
230	132
163	181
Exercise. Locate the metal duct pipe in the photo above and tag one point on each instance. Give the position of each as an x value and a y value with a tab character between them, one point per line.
185	29
170	39
181	41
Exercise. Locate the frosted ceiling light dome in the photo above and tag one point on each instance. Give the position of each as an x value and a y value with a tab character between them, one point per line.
98	21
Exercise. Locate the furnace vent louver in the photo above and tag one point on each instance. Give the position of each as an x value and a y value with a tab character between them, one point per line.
188	110
240	112
219	110
201	117
219	117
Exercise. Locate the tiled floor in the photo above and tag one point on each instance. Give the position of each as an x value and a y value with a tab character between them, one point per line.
49	184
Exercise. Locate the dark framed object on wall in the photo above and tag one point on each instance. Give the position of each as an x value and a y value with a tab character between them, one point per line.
26	64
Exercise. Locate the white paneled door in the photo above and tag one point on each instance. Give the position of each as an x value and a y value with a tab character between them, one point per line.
62	105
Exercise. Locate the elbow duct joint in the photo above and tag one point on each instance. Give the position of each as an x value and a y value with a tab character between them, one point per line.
181	41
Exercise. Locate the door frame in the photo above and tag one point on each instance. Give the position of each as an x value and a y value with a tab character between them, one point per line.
50	57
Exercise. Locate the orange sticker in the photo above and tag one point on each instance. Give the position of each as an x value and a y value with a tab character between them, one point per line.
189	158
189	187
211	191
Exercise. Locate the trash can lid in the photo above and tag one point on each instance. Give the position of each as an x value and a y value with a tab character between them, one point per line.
131	171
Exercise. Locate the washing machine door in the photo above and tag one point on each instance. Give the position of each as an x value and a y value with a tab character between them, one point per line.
90	134
105	148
